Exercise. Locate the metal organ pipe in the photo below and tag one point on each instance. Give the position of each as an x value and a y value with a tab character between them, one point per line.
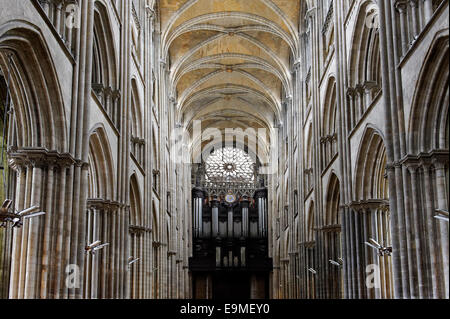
264	223
230	222
196	217
245	226
215	218
198	203
200	217
262	212
260	217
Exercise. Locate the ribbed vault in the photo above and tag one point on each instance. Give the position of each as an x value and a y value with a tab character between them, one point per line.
230	60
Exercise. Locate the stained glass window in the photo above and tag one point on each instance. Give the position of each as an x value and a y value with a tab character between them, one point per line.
230	165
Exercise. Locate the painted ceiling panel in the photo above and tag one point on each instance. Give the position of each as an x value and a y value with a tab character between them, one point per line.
229	60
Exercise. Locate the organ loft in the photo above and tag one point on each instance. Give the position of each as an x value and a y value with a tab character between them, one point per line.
230	228
215	149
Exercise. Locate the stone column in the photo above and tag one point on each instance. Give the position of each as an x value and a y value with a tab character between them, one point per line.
430	224
414	18
442	203
401	7
428	9
351	106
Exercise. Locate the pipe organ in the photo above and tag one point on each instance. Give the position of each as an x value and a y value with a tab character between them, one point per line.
230	240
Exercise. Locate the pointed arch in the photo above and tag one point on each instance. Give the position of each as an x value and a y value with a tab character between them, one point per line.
104	62
332	201
39	112
329	124
429	120
365	63
370	175
136	111
101	167
136	216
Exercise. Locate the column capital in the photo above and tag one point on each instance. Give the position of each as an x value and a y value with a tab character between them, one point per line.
150	12
360	89
310	13
351	92
413	3
400	6
370	85
372	204
102	204
39	157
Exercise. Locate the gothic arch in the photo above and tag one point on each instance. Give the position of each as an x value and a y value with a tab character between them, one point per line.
364	64
136	111
332	201
429	120
330	108
372	216
136	123
332	239
136	239
428	165
101	167
136	216
370	181
38	113
104	65
365	54
310	224
329	129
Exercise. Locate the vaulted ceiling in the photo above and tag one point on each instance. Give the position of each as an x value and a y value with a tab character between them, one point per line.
230	60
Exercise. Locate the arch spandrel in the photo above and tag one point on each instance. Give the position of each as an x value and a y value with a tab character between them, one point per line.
176	13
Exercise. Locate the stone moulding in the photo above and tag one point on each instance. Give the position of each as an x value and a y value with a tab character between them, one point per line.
40	157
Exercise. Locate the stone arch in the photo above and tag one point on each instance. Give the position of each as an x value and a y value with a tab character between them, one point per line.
370	181
428	165
137	234
104	65
329	122
372	216
136	217
332	239
365	53
101	167
429	122
364	64
136	123
332	201
39	115
136	111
